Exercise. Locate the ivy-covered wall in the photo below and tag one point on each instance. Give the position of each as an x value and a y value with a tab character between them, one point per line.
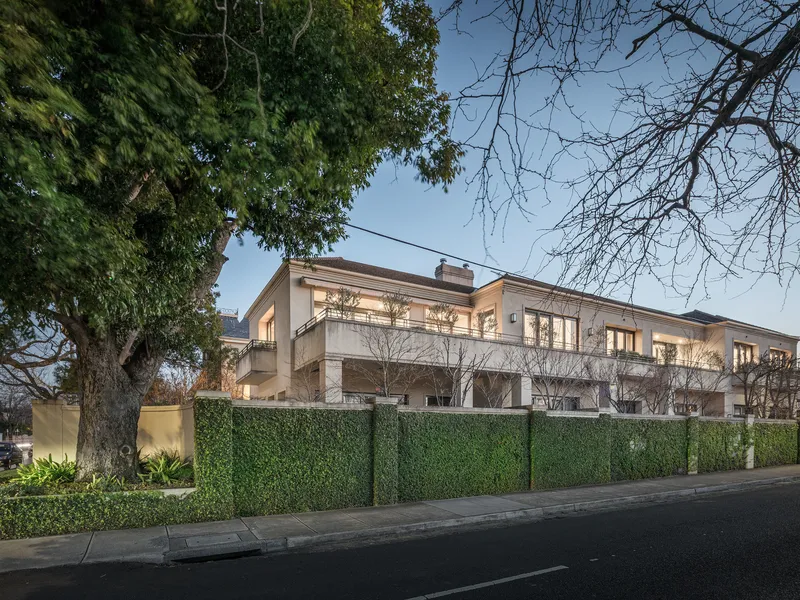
569	451
722	446
646	448
452	455
775	444
287	460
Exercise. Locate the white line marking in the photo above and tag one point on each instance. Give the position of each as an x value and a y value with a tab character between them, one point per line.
477	586
593	559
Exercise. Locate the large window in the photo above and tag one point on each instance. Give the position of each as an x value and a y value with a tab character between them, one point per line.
619	340
780	357
742	354
438	400
551	331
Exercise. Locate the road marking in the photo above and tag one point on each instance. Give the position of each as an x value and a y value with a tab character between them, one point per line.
477	586
593	559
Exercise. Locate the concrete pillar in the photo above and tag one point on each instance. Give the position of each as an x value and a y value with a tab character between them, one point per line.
730	400
466	386
330	380
647	342
522	391
749	440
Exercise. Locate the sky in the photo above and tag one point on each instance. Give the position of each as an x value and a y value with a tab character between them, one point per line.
397	205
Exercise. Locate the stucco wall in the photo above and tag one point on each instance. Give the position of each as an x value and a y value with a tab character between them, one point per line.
55	429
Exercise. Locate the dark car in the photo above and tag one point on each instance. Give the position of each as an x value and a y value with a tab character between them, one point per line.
10	454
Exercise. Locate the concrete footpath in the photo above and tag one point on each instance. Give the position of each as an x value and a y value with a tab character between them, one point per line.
292	532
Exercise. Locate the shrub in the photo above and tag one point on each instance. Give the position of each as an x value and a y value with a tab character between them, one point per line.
775	444
46	471
105	483
16	488
165	466
567	451
287	460
645	448
450	455
722	446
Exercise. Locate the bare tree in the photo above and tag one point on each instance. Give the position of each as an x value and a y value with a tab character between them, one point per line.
442	317
496	387
781	388
395	306
751	376
556	375
398	358
619	383
342	302
697	162
15	411
699	377
454	366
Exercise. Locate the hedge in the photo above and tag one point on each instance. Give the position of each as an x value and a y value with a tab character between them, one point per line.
642	449
291	460
385	425
213	454
33	516
452	455
722	446
775	444
569	451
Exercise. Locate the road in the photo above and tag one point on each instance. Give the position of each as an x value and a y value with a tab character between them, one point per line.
732	546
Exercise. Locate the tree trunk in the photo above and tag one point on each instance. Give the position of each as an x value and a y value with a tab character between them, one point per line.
110	406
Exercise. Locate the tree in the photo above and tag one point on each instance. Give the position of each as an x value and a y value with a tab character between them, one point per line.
751	375
556	375
398	358
697	162
619	383
442	317
139	137
496	387
454	367
699	377
342	302
16	415
395	306
485	324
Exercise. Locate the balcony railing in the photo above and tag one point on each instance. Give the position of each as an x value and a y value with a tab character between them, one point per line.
260	345
434	327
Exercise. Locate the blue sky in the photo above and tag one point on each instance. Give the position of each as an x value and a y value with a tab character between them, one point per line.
397	205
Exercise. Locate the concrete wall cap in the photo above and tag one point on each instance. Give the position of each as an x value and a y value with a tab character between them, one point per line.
212	394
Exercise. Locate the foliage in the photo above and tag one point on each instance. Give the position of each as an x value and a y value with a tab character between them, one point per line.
16	488
485	323
301	459
342	302
385	438
213	453
165	466
775	444
645	448
722	446
105	483
442	316
33	516
395	306
46	471
451	455
692	445
139	137
567	451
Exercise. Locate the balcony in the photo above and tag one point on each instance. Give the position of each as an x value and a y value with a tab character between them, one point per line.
257	363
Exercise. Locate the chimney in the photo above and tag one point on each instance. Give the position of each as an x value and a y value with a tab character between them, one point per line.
461	275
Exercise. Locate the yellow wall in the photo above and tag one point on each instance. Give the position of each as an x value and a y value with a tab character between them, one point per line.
55	429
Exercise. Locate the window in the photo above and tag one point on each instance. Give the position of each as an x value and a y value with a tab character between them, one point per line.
362	398
437	400
551	331
665	353
269	330
685	409
780	357
738	410
566	403
570	403
629	407
619	340
742	354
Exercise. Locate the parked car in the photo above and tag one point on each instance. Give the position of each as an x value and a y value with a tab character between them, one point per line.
10	454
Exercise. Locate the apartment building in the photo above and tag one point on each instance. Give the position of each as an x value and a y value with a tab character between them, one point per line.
512	342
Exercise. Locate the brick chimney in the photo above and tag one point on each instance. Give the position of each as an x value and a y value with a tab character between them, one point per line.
462	275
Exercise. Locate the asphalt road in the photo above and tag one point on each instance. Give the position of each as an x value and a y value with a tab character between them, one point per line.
732	546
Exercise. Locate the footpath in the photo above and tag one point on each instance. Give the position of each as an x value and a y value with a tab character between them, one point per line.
300	531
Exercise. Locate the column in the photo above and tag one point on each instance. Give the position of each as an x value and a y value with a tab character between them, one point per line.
749	440
330	380
213	452
522	391
466	385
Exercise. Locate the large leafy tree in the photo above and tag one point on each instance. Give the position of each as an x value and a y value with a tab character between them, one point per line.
139	136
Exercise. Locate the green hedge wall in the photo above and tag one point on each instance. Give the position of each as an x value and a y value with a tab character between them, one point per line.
641	448
288	460
453	455
722	446
569	451
775	444
34	516
385	430
213	453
